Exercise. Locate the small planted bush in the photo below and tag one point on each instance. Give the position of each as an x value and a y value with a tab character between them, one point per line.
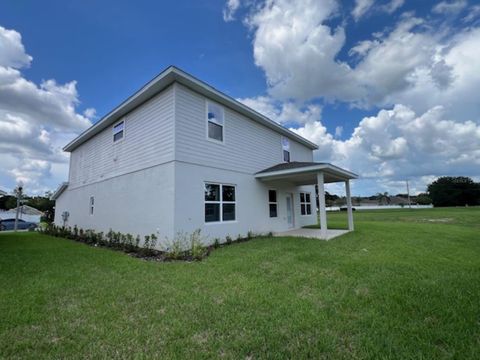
183	246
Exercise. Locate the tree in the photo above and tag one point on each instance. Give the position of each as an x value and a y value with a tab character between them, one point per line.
454	191
423	199
329	198
8	202
383	199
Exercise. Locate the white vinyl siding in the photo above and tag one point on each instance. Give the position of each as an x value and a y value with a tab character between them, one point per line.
249	146
150	142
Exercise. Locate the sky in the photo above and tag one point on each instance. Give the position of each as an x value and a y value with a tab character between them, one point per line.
387	88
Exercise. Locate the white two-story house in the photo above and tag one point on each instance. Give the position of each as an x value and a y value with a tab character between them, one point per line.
179	155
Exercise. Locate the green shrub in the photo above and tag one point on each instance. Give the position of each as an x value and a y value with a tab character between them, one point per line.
197	249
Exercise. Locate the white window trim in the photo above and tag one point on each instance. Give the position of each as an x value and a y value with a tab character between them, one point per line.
285	148
305	202
91	205
221	202
272	203
113	131
207	121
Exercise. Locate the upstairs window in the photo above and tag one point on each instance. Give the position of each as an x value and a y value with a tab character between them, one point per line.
272	203
286	149
92	204
305	204
220	202
215	122
118	131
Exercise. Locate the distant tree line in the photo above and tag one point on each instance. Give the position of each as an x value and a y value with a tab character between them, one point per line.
445	191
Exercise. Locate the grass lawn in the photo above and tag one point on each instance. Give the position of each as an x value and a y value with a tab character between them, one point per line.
405	284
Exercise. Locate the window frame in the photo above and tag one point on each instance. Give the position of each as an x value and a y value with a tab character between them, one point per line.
207	121
305	203
221	202
273	203
91	205
285	142
114	133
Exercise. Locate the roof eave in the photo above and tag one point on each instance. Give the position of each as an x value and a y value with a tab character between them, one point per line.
63	186
162	81
335	169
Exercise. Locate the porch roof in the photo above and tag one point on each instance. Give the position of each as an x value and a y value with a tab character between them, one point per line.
305	173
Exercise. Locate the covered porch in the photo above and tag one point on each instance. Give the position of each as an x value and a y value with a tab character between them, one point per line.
313	173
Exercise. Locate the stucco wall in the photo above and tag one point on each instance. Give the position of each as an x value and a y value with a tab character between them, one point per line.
252	211
140	203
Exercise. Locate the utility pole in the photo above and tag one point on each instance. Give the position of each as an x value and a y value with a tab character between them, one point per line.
408	196
18	193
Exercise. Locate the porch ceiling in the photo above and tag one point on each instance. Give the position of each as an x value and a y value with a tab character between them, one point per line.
304	173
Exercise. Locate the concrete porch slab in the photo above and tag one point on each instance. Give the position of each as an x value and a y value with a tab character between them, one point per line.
312	233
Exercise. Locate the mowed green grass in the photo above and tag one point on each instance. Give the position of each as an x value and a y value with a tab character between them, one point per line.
405	284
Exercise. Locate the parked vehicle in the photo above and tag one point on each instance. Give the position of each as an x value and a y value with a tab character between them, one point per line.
9	224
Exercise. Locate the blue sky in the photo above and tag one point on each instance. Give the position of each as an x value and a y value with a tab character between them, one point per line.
254	52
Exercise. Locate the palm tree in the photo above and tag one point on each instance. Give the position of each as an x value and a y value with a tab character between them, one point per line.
383	199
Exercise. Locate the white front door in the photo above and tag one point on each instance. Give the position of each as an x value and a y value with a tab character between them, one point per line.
290	210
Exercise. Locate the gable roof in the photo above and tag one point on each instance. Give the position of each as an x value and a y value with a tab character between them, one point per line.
160	82
61	188
27	210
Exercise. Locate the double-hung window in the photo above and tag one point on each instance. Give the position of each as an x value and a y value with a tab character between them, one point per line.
92	204
286	149
272	203
305	203
220	202
215	121
118	131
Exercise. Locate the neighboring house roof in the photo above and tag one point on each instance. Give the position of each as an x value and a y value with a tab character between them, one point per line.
2	193
305	172
27	210
160	82
63	186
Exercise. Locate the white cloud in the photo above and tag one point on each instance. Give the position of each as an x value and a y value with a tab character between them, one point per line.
35	120
473	14
299	54
390	147
297	51
450	7
425	64
229	10
398	144
283	112
12	52
361	7
338	131
393	6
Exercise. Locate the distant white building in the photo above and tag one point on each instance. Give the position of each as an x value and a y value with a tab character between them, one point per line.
26	213
179	155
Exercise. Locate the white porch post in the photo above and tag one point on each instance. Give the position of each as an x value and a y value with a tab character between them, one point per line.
321	201
349	205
